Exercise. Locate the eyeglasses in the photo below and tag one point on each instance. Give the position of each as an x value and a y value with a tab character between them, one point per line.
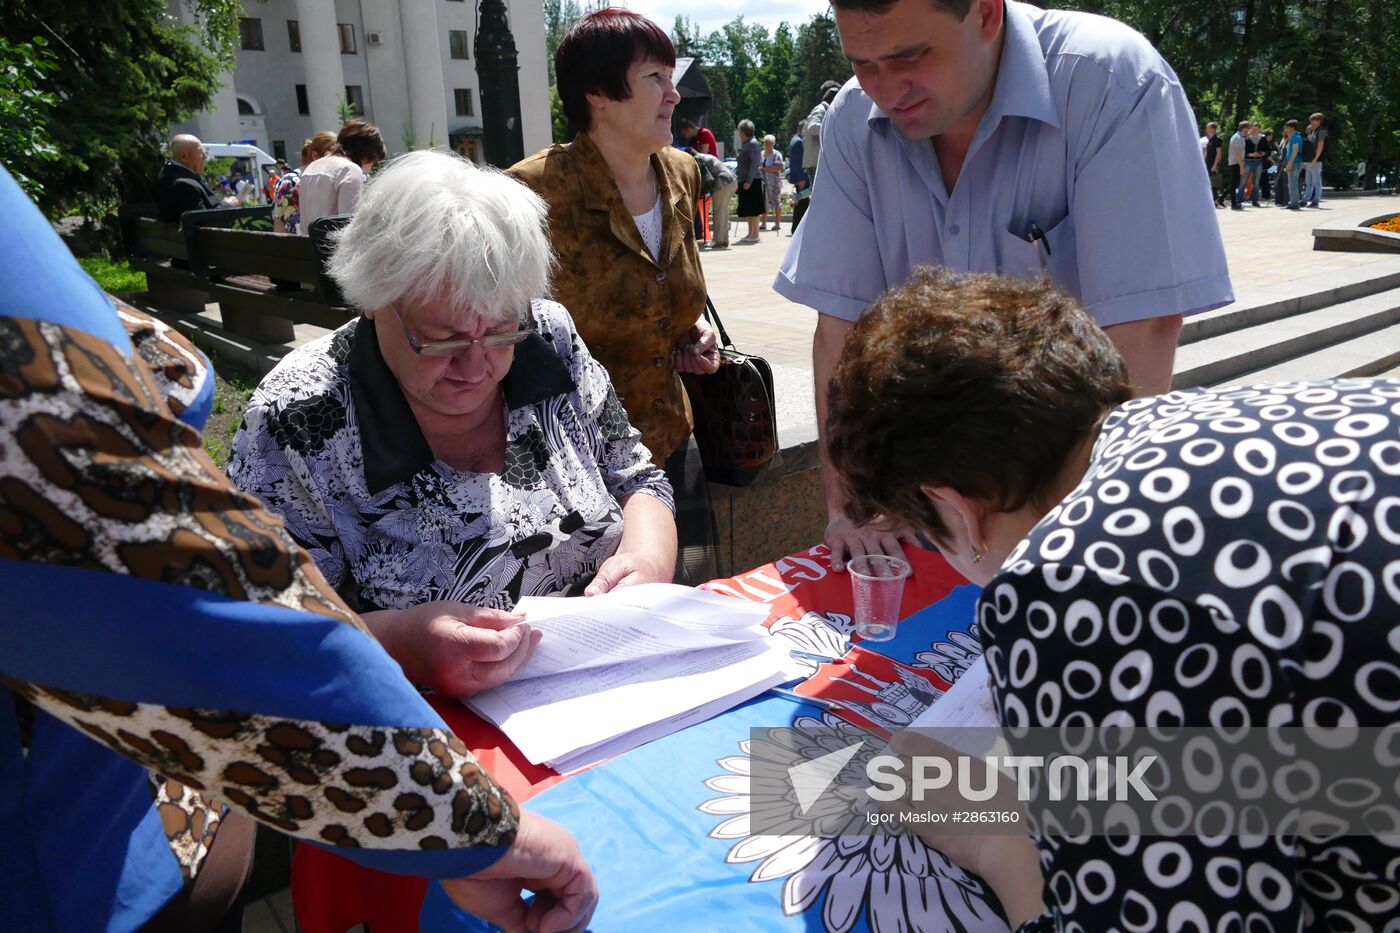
449	347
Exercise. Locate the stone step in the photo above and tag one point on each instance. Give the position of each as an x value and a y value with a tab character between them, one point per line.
1224	357
1296	297
1367	355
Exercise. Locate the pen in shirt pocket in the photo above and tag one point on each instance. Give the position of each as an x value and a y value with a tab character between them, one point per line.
1042	246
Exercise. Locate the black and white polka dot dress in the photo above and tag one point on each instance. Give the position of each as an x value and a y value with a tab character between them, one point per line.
1232	557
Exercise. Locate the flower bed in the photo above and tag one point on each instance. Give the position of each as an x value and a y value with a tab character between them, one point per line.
1380	234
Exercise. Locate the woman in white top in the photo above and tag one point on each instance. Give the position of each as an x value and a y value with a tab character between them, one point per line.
332	184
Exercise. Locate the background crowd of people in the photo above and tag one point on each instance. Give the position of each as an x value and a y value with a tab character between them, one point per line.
759	171
329	181
1253	164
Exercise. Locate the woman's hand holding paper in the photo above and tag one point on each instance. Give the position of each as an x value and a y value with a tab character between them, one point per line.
453	648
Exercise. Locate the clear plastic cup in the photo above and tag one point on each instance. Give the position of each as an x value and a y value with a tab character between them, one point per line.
877	582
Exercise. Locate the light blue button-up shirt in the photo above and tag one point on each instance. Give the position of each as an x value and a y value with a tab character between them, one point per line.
1088	136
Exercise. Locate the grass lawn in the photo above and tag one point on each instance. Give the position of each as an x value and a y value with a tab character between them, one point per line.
115	276
232	387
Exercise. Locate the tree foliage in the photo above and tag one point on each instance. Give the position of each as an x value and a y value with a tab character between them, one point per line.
817	59
772	80
25	142
720	117
124	72
1273	60
1266	60
769	88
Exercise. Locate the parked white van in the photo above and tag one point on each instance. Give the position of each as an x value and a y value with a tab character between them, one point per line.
248	161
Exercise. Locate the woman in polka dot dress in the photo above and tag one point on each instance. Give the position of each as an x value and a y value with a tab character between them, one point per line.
1207	558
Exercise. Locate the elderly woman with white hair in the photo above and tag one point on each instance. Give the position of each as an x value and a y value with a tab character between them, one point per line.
456	447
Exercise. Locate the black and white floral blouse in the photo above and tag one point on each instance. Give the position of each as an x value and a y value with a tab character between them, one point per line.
1231	558
330	444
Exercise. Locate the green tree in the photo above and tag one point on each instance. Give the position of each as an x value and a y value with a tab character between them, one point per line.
25	144
562	131
1274	60
1375	98
685	36
735	51
720	118
559	15
125	73
817	58
769	90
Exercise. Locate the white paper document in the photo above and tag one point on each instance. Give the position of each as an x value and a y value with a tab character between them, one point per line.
967	715
633	623
616	671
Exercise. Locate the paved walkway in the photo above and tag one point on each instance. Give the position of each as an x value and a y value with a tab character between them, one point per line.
1265	247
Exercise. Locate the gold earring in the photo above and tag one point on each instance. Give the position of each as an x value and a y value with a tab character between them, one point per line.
977	558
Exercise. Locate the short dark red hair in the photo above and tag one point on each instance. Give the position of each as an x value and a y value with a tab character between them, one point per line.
596	53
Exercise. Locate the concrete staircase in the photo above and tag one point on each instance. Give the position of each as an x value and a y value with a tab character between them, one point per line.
1340	323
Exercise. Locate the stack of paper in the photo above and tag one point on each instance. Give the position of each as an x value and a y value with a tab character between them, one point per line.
966	717
616	671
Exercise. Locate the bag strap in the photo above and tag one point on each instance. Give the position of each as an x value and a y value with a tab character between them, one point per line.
712	316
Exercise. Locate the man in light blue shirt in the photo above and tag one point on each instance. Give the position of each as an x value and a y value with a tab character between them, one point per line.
991	136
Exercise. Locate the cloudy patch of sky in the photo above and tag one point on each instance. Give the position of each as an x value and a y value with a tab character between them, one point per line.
710	15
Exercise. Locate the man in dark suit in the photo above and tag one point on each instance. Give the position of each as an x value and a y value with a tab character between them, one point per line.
179	186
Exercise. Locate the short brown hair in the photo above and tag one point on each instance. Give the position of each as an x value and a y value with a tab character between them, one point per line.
360	142
596	53
1316	116
1291	124
958	8
982	383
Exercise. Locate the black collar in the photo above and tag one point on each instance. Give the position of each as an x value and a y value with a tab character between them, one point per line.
178	171
391	443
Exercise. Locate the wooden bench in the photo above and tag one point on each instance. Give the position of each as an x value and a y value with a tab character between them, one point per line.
265	282
158	249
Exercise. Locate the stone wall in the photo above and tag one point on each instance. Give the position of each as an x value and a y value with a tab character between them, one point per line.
781	513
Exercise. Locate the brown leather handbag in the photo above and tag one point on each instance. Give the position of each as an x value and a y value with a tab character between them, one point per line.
736	419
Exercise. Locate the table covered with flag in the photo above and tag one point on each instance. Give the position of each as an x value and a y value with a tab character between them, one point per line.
666	826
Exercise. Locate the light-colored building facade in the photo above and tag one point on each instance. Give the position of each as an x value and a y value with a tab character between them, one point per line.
408	66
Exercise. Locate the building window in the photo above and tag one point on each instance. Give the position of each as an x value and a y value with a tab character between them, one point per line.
250	31
303	105
294	35
457	43
279	149
355	99
462	96
347	38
